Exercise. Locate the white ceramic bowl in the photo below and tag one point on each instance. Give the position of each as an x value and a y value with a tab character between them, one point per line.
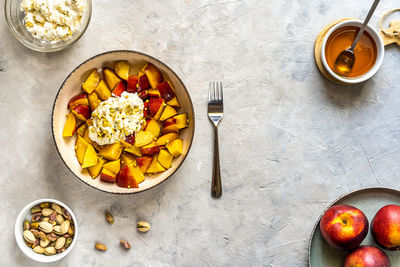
379	48
26	215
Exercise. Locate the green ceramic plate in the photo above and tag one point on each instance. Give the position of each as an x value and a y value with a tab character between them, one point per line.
369	200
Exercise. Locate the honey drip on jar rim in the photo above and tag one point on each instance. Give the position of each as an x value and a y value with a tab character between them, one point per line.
365	51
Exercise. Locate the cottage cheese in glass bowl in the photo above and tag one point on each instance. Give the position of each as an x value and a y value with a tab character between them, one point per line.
48	25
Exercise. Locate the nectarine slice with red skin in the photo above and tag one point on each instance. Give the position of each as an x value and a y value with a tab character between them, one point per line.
108	176
168	113
111	152
166	139
175	147
70	126
143	83
154	105
132	84
80	99
113	166
144	95
103	91
153	127
81	129
150	149
81	112
94	171
146	112
119	89
144	163
134	150
166	90
90	158
165	158
174	102
130	139
143	138
155	166
126	179
153	75
181	120
153	93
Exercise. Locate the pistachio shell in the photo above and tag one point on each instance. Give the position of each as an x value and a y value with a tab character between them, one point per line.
66	214
64	227
68	242
36	217
143	226
52	237
52	216
50	251
36	209
42	236
71	230
35	232
45	219
59	219
44	243
47	212
27	225
46	227
61	250
29	237
125	244
60	242
44	205
57	208
109	218
57	230
28	244
38	249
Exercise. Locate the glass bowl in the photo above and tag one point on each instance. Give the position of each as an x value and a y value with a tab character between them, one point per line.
15	17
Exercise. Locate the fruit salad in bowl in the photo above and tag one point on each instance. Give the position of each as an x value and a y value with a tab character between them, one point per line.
123	122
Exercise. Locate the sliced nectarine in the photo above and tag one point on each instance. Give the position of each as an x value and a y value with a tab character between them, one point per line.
153	127
170	126
182	120
111	78
119	89
111	152
165	158
137	174
174	102
153	93
94	101
113	166
90	158
132	84
150	149
156	107
80	148
166	139
133	150
80	99
126	179
153	74
81	129
143	138
155	166
144	163
127	158
143	83
122	69
166	90
144	95
91	82
108	176
81	112
95	170
102	90
175	147
70	126
168	113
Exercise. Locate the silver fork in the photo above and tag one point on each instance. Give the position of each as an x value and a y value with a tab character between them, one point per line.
215	113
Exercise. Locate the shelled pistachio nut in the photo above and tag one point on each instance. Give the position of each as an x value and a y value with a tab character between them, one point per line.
29	237
47	212
100	246
60	242
38	249
34	225
50	251
44	243
27	225
64	227
46	227
71	230
143	226
57	230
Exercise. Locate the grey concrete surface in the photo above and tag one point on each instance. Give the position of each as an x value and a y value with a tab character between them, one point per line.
290	141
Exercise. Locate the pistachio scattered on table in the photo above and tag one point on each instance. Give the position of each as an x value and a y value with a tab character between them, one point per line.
109	218
50	230
100	246
143	226
125	244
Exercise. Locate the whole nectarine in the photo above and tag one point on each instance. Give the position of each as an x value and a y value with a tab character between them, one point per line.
367	256
385	227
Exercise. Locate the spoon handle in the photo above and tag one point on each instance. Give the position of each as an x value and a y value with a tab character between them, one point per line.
360	32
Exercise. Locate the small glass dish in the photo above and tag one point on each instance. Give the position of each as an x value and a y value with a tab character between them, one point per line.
15	20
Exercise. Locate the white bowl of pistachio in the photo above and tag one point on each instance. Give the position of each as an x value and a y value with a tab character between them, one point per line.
46	230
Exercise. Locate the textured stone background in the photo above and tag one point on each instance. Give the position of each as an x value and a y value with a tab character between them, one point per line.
291	142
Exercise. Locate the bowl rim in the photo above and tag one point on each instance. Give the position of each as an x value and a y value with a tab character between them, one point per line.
111	52
46	49
340	197
379	47
18	230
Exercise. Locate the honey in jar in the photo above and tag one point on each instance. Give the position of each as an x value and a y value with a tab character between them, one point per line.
365	51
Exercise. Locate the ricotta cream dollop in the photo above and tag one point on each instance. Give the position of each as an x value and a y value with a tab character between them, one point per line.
116	118
52	20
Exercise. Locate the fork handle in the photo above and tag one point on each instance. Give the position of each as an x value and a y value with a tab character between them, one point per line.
216	187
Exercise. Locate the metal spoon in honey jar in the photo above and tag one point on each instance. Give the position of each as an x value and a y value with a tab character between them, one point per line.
345	60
